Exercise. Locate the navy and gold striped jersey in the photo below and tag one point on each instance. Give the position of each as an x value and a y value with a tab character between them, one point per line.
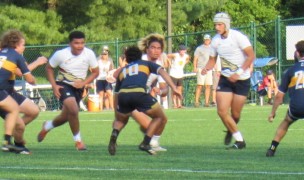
134	76
10	60
293	82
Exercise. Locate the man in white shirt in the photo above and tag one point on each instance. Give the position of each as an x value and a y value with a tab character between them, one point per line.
237	55
201	57
74	63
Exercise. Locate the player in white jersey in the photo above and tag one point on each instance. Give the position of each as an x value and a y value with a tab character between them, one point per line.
177	63
74	63
237	55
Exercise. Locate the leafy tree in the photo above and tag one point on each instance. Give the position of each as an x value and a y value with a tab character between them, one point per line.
291	8
38	27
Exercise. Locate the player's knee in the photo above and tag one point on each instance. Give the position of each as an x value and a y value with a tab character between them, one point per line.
20	126
164	120
34	112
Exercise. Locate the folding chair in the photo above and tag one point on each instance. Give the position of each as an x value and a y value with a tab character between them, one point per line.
255	81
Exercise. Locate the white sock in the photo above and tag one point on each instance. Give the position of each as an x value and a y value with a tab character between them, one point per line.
48	125
165	103
238	136
82	106
77	137
155	140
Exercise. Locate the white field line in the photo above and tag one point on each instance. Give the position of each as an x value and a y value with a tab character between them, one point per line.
153	170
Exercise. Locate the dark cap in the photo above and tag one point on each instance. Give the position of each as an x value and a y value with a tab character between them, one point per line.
182	47
269	72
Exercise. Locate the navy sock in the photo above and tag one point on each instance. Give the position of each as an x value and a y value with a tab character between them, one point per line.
274	145
115	133
147	140
8	138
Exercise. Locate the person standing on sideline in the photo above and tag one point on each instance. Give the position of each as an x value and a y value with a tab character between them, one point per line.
201	57
104	88
73	62
237	55
131	94
13	46
177	63
292	82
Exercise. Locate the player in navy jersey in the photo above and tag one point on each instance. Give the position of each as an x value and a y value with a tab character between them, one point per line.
12	46
293	83
130	95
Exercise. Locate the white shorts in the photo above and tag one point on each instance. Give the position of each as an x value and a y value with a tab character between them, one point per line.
204	79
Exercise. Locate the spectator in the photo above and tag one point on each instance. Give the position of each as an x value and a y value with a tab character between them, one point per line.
270	85
177	63
201	57
104	88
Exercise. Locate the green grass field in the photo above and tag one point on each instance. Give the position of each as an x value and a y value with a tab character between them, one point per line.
194	138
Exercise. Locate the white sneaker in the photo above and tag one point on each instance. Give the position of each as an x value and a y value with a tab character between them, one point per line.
158	148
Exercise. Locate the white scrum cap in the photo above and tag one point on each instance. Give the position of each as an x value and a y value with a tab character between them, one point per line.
222	18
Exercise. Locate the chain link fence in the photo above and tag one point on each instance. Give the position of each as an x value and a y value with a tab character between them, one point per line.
268	39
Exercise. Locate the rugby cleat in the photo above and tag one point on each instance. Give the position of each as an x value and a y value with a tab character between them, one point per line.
158	149
270	153
112	146
147	148
23	150
228	138
80	146
8	147
42	133
238	145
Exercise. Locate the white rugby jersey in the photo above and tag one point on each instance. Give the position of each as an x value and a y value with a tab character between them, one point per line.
230	51
153	77
71	66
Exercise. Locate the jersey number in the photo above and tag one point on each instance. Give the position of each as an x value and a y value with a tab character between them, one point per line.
2	59
131	70
299	76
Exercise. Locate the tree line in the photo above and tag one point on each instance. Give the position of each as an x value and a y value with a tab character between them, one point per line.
50	21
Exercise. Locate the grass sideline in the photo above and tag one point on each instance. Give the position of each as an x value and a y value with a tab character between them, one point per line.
193	136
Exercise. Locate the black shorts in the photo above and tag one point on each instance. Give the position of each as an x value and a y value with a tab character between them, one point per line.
128	102
103	85
240	87
295	115
19	98
69	91
177	81
3	95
